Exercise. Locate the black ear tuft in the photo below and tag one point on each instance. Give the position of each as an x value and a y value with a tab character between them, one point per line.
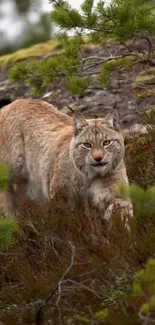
112	120
79	123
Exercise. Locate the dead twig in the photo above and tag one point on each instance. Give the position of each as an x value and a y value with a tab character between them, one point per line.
147	320
58	288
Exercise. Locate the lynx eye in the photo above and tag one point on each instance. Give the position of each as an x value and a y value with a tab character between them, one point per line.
106	143
87	145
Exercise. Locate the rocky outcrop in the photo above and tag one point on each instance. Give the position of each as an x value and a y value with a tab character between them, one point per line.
126	88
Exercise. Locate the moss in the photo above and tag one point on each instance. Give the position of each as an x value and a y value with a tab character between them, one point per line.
143	93
146	77
148	112
143	84
43	49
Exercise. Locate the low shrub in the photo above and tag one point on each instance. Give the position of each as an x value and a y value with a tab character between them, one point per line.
66	266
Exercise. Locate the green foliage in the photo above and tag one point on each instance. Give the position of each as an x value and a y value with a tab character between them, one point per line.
111	66
7	229
101	315
18	71
7	226
77	84
144	289
66	17
121	20
142	200
140	161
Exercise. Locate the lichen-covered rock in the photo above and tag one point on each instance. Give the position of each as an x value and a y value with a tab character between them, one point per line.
144	84
133	90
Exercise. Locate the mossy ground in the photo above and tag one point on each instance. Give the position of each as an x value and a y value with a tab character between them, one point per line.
39	50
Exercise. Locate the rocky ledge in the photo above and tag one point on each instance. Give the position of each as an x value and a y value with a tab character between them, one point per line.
132	90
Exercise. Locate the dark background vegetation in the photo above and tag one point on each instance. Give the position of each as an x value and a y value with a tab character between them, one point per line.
34	24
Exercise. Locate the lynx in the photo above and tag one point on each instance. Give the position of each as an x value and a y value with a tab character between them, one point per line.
47	150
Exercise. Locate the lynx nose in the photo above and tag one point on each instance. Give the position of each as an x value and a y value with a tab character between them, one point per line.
98	156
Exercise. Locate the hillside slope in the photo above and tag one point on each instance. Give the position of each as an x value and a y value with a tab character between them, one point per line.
133	91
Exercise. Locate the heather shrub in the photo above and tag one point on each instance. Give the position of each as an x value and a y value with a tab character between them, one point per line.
68	267
140	158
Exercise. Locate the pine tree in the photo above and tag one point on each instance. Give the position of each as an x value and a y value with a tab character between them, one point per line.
122	21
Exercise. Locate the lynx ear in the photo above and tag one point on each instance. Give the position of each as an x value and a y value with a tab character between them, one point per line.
112	120
79	123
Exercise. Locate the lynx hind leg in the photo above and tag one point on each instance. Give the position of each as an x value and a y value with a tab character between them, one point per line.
10	208
15	193
14	157
16	185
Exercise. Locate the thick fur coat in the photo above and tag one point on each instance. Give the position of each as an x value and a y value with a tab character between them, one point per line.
46	151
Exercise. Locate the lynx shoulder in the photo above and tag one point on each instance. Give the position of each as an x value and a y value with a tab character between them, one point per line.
46	151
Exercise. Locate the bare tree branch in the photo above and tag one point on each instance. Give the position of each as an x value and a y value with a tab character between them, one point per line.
84	287
62	280
58	288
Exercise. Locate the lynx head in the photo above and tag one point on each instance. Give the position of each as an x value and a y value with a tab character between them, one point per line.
97	147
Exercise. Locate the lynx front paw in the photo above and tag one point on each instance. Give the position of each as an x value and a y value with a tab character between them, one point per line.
125	209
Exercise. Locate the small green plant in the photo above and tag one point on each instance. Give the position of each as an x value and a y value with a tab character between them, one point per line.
7	229
144	291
